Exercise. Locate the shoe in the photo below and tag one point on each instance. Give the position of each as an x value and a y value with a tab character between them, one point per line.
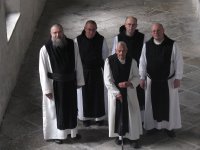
136	144
86	123
117	141
58	141
78	137
152	131
171	133
100	123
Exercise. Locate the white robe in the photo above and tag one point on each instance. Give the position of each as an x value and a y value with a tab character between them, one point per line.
105	53
48	107
115	41
174	106
135	124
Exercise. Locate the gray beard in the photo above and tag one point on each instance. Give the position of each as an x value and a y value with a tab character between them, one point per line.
61	43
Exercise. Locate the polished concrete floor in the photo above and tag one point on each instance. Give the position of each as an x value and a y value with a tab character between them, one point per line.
22	126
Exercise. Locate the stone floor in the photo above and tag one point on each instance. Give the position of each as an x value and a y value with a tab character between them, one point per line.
22	126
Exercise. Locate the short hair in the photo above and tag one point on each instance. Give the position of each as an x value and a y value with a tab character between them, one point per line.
130	17
123	44
58	26
158	24
91	22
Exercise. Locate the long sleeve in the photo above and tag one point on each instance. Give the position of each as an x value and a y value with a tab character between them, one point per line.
134	74
177	60
143	63
105	50
45	82
78	66
108	79
115	41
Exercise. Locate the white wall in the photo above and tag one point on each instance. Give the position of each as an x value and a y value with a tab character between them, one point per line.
12	51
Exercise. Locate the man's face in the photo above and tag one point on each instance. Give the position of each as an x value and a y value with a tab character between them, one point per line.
121	52
130	25
90	30
157	32
56	33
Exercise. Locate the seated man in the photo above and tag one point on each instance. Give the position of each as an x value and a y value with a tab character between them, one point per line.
121	78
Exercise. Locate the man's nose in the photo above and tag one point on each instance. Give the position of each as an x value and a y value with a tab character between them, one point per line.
58	35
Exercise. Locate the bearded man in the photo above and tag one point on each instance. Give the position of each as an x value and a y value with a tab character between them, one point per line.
60	70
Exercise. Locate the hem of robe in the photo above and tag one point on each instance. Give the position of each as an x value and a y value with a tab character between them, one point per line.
162	125
95	119
80	106
50	130
127	135
174	113
60	134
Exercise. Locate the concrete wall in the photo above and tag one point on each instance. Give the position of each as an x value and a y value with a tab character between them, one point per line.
12	51
197	6
14	5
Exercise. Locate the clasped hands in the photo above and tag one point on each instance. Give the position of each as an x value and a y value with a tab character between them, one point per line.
124	84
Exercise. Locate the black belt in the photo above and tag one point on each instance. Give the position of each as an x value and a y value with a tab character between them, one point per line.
162	80
62	77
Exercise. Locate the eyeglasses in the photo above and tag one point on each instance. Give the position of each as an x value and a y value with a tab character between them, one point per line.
90	29
129	24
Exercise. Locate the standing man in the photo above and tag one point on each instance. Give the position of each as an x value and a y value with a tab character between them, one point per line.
61	73
121	78
134	41
93	51
161	70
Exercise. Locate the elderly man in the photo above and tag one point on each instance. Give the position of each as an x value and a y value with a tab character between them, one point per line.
121	78
134	41
93	51
61	73
161	69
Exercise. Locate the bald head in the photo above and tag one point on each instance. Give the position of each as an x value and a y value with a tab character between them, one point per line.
130	25
90	29
131	18
157	32
121	50
57	36
58	26
56	31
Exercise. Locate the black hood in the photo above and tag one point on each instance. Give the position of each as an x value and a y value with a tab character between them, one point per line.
122	29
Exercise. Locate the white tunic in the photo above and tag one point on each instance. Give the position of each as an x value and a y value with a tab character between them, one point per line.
135	124
115	41
174	107
105	53
48	107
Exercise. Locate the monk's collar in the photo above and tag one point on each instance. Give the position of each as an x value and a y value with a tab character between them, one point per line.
157	42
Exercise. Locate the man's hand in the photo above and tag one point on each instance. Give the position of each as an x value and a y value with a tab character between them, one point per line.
142	83
177	83
125	84
49	95
119	97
